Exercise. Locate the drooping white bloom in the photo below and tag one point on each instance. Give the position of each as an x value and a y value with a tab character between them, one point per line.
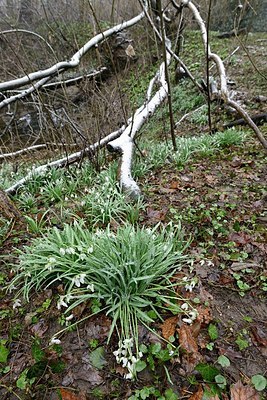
55	341
17	303
79	279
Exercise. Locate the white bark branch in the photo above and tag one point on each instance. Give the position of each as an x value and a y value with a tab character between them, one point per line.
63	161
44	75
224	93
124	144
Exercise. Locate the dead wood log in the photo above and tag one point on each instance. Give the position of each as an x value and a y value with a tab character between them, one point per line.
233	32
258	119
8	208
43	76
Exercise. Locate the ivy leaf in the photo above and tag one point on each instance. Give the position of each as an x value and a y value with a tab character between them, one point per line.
97	359
221	381
259	382
213	331
4	352
207	371
140	365
223	361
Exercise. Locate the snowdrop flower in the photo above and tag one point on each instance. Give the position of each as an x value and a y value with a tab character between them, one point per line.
79	279
193	314
55	341
17	303
187	320
70	250
69	317
129	375
61	302
128	342
124	361
90	250
82	256
184	306
51	260
91	287
62	251
190	286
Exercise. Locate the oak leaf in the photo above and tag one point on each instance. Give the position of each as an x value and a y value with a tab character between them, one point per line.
198	394
241	392
68	395
169	326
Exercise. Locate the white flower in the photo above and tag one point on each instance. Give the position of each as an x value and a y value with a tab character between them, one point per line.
90	250
62	251
70	250
128	342
140	354
193	314
69	317
171	353
91	287
82	256
79	279
129	375
185	279
61	302
124	361
17	303
184	306
55	341
51	260
187	320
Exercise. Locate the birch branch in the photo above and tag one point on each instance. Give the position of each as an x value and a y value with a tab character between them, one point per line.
72	158
224	93
124	144
33	148
73	62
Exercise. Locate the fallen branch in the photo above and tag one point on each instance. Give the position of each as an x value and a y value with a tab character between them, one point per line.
32	148
63	162
224	94
43	76
258	119
124	143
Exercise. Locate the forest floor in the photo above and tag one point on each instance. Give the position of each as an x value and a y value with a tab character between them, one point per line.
220	200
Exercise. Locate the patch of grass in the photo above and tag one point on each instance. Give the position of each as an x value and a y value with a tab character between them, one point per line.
187	148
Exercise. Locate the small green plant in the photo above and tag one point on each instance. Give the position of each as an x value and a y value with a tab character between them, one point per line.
37	224
106	202
259	382
242	341
128	271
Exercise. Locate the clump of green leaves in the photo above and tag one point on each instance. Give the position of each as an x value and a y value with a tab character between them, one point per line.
128	271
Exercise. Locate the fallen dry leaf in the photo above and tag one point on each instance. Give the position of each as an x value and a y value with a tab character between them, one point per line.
187	340
204	315
68	395
188	343
169	326
198	394
240	392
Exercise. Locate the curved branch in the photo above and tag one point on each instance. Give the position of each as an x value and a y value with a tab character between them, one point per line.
30	33
73	62
224	93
